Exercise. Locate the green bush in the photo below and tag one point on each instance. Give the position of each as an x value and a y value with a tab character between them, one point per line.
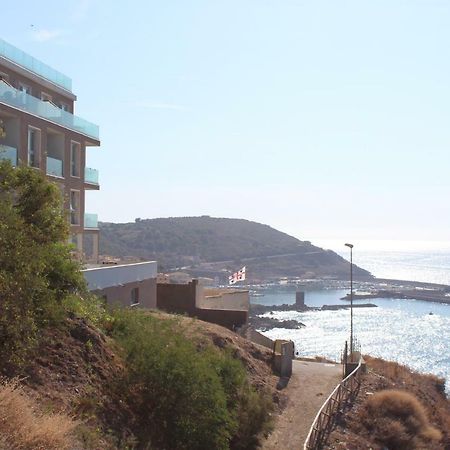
36	270
189	395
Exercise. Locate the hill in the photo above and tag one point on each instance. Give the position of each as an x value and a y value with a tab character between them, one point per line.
382	416
210	246
83	377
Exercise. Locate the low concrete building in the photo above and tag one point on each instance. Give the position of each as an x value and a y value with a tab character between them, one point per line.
124	285
226	307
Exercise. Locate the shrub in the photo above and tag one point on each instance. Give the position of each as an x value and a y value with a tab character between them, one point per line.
36	270
22	427
398	420
189	395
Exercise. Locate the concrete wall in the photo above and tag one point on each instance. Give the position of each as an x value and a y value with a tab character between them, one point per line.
115	283
109	276
121	295
259	338
225	318
284	354
224	299
189	299
177	298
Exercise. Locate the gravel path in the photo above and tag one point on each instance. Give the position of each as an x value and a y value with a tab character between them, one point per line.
310	385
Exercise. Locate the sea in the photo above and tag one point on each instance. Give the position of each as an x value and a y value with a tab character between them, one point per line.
412	332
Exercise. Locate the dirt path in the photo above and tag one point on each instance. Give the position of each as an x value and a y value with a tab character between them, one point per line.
311	383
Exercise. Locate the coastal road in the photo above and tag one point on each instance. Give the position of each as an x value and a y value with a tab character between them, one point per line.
310	385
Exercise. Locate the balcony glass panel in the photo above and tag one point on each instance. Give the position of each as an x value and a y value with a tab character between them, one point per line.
91	175
54	167
10	153
27	103
90	220
34	65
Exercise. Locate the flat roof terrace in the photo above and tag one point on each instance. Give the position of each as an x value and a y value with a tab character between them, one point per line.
26	61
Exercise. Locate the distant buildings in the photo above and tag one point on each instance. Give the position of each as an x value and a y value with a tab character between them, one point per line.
38	128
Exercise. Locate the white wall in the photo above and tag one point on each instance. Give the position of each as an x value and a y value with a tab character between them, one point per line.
104	277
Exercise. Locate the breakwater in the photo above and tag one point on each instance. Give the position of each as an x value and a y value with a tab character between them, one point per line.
426	295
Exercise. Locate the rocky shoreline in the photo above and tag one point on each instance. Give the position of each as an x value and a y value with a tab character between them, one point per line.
268	323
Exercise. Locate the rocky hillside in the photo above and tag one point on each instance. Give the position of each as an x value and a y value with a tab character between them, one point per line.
210	246
396	408
78	373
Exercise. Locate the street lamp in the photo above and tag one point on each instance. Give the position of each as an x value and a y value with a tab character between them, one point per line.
351	297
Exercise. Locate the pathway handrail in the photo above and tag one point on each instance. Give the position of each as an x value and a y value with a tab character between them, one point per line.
324	417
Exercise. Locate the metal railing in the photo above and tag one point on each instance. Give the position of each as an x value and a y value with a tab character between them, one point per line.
325	419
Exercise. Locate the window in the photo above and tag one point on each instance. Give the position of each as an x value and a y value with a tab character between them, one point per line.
34	146
24	88
64	106
46	97
75	153
135	296
75	207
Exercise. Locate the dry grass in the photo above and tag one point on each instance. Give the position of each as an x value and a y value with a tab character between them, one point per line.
22	427
395	371
397	420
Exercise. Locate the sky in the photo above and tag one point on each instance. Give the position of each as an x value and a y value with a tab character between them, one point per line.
329	120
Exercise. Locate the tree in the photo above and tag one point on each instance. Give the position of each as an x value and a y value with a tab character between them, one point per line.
37	272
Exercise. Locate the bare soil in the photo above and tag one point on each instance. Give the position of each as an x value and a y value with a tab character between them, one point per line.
308	388
76	368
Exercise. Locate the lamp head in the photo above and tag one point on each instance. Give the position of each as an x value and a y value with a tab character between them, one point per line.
349	245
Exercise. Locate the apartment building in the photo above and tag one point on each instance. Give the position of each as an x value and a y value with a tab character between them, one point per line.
38	128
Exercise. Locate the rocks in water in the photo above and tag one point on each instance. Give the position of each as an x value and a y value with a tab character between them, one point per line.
267	323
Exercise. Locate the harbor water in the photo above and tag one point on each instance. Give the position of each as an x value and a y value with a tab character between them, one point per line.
411	332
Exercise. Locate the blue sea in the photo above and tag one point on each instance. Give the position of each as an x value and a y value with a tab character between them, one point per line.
397	330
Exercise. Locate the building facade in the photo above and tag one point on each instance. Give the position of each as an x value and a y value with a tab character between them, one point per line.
127	285
38	128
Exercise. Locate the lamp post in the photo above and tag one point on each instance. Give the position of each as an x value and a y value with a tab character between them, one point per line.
351	298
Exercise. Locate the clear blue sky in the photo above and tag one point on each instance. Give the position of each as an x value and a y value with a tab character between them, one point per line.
325	119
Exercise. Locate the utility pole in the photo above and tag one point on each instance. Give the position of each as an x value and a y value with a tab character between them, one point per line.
351	297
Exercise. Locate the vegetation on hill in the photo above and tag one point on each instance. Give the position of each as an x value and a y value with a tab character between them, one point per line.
92	378
212	244
37	274
23	426
396	408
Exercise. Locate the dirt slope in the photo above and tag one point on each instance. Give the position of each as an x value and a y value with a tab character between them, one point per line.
351	434
75	370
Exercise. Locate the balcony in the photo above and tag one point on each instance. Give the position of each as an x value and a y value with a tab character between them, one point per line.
9	153
46	110
54	167
90	220
22	59
91	176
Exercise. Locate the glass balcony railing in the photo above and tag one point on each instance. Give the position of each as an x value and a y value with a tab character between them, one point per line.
10	153
46	110
90	220
54	167
21	58
90	175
